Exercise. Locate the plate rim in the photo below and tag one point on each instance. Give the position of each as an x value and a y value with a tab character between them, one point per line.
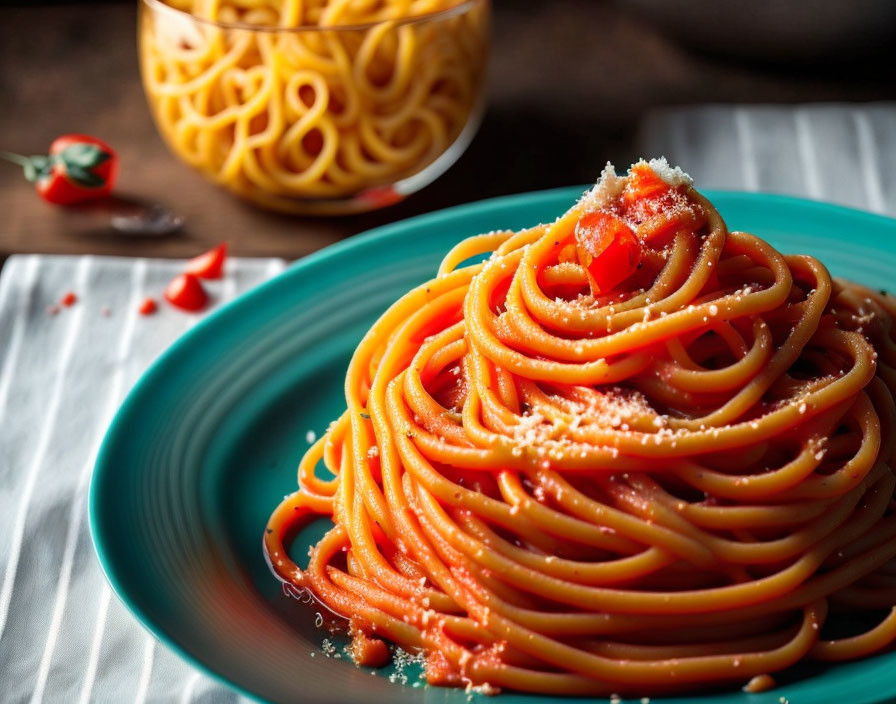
326	254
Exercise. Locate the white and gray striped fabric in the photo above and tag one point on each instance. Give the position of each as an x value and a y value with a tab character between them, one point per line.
63	636
844	154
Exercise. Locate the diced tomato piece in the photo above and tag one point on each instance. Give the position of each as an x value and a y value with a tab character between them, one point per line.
654	207
209	265
148	306
608	249
185	291
643	184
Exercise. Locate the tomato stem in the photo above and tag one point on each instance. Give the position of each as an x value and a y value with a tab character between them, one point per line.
15	158
35	167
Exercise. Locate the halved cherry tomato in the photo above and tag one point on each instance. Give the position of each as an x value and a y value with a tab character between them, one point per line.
185	291
209	265
608	249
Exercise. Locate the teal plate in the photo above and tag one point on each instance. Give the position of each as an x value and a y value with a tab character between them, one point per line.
207	443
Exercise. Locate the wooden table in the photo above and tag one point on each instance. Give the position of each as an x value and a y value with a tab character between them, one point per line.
568	81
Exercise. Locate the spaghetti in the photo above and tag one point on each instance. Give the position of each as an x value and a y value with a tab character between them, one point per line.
285	101
561	477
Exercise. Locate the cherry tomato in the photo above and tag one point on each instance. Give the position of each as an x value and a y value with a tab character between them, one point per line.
608	249
185	291
209	265
78	168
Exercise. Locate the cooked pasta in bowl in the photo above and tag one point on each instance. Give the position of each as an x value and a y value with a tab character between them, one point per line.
316	106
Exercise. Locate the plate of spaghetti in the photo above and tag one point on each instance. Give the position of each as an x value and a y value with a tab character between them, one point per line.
642	450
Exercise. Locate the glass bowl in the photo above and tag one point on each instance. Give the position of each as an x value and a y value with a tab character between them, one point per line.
316	119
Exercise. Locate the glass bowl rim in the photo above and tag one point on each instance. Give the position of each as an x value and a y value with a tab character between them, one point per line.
459	9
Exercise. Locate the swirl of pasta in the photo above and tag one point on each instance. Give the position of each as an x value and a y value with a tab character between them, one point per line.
678	481
315	106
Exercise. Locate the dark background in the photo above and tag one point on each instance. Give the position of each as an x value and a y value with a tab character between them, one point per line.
569	82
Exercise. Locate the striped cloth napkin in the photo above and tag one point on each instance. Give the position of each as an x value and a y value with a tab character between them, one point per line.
64	637
844	154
